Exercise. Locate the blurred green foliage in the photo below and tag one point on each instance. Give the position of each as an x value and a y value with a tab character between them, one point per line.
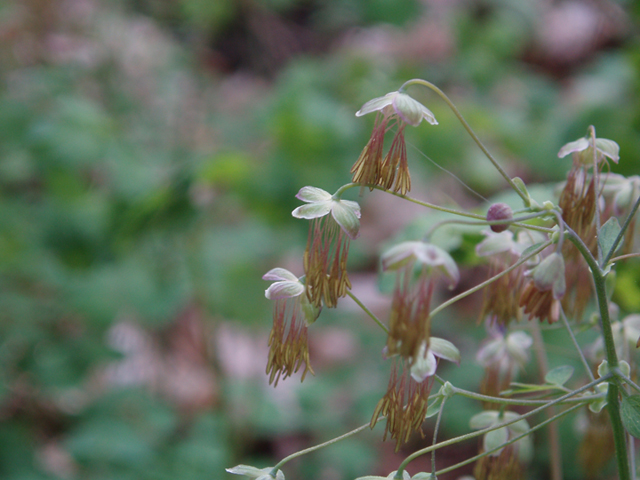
150	153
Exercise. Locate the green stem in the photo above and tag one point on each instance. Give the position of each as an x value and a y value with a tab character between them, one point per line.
466	293
471	435
367	311
623	229
613	406
519	401
275	469
418	81
515	439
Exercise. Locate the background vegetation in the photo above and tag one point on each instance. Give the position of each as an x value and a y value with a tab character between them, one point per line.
150	151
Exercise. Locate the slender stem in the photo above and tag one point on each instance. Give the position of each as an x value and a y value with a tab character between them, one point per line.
433	206
316	447
515	439
518	401
367	311
623	229
630	382
435	434
418	81
576	344
471	435
483	223
624	257
466	293
613	406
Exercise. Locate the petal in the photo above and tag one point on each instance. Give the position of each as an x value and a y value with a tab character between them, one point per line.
484	419
284	290
577	146
424	367
495	439
495	243
346	218
411	111
609	148
248	470
432	255
444	349
398	255
355	206
376	104
278	274
312	210
313	194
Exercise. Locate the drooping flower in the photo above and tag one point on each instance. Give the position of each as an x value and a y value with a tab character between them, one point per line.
626	333
257	473
582	150
502	355
392	475
419	265
392	172
501	298
325	258
543	292
292	314
506	463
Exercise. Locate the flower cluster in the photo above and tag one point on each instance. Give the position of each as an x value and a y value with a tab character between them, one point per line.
392	172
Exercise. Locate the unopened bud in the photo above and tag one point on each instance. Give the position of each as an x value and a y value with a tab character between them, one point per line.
499	211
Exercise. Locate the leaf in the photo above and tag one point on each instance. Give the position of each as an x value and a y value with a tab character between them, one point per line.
530	249
434	408
520	185
607	235
630	412
559	375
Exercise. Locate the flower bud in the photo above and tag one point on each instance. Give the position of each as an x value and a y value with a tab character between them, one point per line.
499	211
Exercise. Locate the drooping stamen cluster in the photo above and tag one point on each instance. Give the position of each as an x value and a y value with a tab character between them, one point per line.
505	466
325	258
578	203
392	173
325	262
288	341
501	298
292	313
542	294
404	404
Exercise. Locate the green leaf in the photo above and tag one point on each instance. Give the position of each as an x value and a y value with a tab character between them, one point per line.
608	233
630	412
520	185
559	375
434	408
527	251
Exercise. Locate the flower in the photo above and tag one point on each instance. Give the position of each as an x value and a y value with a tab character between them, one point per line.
292	313
499	212
502	296
257	473
392	173
392	475
425	363
325	258
583	151
409	323
541	295
626	333
502	356
506	462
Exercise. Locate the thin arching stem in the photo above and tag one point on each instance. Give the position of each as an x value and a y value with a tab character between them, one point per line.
467	127
368	312
575	343
623	229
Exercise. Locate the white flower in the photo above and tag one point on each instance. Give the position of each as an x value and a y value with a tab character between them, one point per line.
320	203
257	473
507	353
409	110
584	152
425	363
391	476
498	437
423	253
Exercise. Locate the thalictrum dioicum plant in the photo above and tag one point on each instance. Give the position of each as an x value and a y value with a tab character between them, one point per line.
547	263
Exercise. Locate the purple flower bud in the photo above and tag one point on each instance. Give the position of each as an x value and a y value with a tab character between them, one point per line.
499	211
